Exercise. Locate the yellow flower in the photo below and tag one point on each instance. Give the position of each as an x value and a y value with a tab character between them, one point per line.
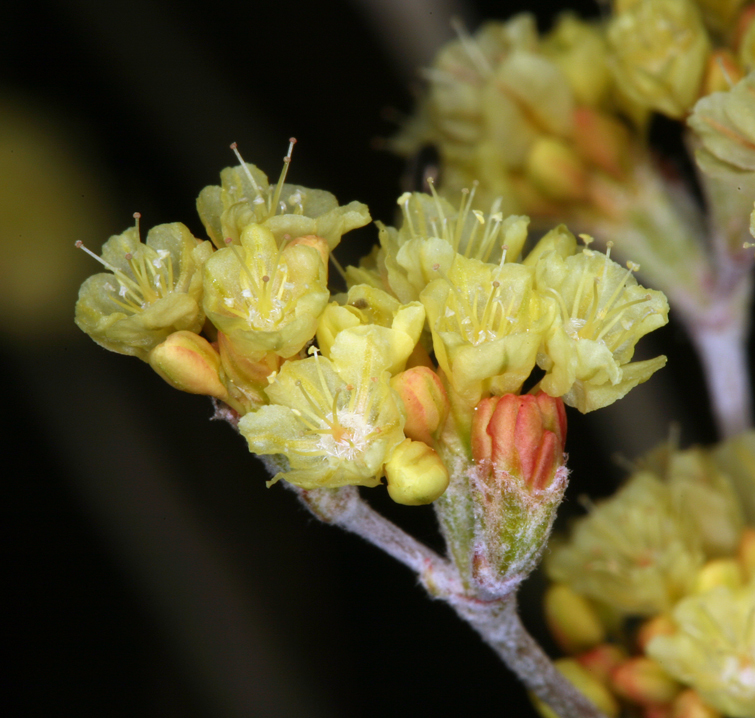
659	50
266	298
487	325
434	233
364	305
713	650
245	196
633	551
336	420
151	290
603	314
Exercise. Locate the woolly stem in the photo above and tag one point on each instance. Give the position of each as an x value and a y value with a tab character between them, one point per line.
497	622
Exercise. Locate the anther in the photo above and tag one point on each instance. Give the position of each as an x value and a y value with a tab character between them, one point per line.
265	278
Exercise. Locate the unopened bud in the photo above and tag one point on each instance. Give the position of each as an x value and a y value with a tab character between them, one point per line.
586	684
601	140
719	572
523	436
415	474
746	553
572	620
425	401
318	243
688	704
556	169
189	363
661	625
722	72
244	377
602	660
643	681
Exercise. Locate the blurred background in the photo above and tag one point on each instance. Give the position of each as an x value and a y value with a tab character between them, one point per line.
147	568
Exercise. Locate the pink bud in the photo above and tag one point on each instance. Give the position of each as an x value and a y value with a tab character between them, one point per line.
521	435
425	401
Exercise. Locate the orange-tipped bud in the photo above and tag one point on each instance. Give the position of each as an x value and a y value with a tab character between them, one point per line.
415	474
245	377
746	552
572	620
722	72
719	572
189	363
661	625
557	169
523	436
425	401
602	140
688	704
643	681
602	660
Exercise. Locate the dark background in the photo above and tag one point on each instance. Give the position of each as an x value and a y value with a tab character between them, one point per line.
147	569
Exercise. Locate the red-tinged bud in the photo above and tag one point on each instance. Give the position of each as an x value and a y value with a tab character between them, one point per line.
661	625
602	660
245	378
523	436
189	363
425	401
688	704
722	72
602	140
643	681
656	712
497	522
746	553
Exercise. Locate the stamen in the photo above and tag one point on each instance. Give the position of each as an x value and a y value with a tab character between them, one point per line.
284	172
403	202
80	245
246	169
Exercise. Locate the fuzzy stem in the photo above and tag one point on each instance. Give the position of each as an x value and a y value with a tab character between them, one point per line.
723	353
499	625
497	621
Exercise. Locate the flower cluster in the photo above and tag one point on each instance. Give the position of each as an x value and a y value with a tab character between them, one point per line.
387	379
654	592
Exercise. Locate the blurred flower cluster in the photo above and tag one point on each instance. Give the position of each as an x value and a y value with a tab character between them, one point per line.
560	125
653	593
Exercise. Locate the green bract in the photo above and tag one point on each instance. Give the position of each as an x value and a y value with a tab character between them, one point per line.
154	289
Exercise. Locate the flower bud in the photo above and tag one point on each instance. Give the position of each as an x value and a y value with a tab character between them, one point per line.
602	140
642	680
415	474
746	552
586	684
523	436
722	71
425	401
661	625
571	619
719	572
318	243
557	169
688	704
245	378
188	363
601	661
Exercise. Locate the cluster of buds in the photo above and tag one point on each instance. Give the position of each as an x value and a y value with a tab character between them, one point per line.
558	125
413	375
654	592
